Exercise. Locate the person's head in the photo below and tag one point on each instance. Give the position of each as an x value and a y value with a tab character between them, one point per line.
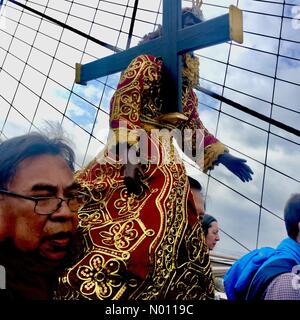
34	165
190	16
292	217
196	190
211	231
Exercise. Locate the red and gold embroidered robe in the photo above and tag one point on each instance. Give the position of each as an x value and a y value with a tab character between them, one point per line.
142	246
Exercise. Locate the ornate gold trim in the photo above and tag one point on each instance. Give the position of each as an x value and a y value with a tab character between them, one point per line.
122	135
211	154
190	69
236	24
77	72
175	118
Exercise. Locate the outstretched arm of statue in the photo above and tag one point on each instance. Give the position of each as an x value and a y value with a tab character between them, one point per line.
236	165
215	152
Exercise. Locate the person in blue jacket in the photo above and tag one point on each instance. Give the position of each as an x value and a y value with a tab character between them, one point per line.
268	273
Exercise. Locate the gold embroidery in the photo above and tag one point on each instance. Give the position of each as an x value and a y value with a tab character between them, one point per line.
211	154
120	235
101	278
116	226
190	69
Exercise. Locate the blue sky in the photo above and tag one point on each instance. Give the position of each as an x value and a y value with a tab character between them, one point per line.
43	87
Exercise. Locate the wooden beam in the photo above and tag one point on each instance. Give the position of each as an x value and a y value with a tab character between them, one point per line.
208	33
115	62
172	79
236	24
205	34
174	42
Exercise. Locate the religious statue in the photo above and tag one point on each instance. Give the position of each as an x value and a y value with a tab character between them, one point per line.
137	241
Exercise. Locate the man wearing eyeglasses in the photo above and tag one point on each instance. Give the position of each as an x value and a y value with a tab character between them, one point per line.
38	206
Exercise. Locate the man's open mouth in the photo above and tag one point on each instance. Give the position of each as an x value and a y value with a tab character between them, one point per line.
60	239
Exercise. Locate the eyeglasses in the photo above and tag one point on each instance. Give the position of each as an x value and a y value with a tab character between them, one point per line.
49	205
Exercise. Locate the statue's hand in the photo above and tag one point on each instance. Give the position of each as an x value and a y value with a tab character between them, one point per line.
236	165
132	178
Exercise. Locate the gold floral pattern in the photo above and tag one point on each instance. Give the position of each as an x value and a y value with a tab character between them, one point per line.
99	277
132	243
120	235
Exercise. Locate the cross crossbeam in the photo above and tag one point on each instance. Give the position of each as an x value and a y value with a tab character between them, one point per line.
170	46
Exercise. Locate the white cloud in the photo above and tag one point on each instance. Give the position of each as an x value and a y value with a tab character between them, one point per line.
89	91
76	110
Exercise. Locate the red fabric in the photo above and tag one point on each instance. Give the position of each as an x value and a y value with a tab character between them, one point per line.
131	243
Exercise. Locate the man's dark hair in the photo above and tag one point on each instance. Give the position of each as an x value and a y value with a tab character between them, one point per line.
194	183
15	150
292	215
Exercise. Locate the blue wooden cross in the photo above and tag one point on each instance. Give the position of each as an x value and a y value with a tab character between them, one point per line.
170	46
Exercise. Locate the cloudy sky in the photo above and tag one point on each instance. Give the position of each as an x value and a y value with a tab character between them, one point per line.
37	60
